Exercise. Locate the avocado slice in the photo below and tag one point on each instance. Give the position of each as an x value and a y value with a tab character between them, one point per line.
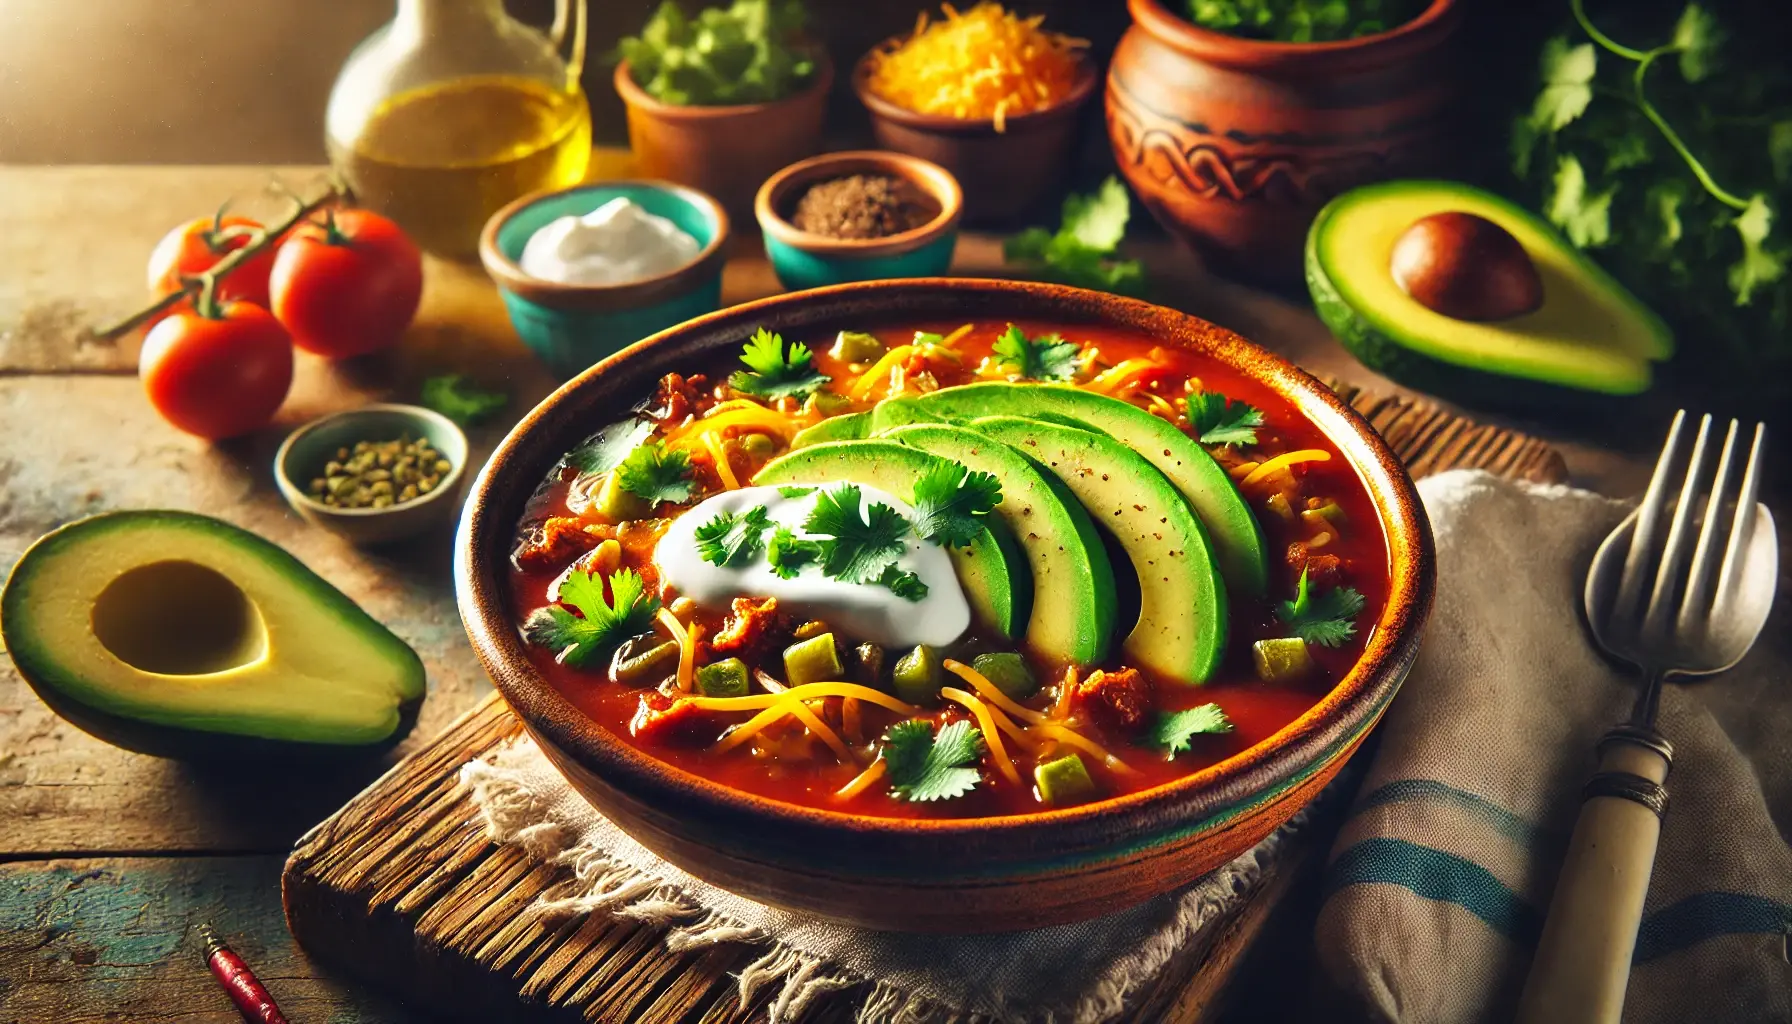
1073	584
1181	632
992	568
903	410
1589	333
180	635
845	427
1236	537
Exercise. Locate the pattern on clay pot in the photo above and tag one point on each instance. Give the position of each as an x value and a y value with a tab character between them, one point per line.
1174	152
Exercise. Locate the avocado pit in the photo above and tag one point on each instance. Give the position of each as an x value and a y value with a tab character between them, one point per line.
1466	267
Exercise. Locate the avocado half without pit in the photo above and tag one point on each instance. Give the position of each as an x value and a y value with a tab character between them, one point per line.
182	636
1456	291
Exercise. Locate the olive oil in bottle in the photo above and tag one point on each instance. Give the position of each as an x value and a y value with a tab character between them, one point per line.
443	158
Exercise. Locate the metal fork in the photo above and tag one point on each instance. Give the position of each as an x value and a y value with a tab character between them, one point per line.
1680	596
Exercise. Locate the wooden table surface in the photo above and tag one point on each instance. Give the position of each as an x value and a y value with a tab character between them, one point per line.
107	858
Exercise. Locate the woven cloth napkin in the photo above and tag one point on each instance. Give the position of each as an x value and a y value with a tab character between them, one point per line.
1438	883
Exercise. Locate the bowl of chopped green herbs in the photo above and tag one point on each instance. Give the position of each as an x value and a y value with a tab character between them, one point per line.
721	100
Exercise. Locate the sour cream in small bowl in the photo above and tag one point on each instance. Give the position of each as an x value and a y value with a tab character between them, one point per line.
589	270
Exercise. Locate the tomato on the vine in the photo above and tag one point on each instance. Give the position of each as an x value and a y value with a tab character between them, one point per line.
200	244
217	376
347	285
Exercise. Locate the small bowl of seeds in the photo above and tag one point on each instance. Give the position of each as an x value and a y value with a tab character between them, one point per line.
376	474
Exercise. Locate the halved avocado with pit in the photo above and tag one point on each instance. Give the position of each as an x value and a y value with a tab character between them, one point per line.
1181	632
1587	333
180	635
993	569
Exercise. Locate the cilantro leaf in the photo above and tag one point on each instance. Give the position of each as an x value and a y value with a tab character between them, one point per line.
606	449
1585	218
1080	252
1567	84
1697	37
905	585
656	473
789	554
925	765
745	52
950	502
794	491
455	396
855	549
1757	266
601	625
1327	619
1217	419
1045	358
1663	201
775	373
1098	220
1172	731
731	539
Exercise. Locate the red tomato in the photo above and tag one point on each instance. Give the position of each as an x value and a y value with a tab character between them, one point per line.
196	246
347	287
217	377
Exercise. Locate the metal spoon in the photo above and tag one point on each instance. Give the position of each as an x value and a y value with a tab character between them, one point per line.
1673	606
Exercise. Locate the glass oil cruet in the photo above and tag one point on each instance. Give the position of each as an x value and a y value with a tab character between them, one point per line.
454	109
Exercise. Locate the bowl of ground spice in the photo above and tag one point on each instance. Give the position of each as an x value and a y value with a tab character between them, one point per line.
858	216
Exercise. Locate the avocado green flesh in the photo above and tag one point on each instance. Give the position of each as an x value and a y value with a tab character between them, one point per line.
181	623
992	568
1181	631
903	410
1073	584
1589	334
848	427
1236	537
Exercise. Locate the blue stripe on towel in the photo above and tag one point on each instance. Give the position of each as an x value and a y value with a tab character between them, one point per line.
1706	915
1413	790
1436	875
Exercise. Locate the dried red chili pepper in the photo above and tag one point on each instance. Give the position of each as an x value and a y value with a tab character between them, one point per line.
239	982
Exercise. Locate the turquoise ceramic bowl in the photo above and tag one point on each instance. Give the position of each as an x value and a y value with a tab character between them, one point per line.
572	326
803	260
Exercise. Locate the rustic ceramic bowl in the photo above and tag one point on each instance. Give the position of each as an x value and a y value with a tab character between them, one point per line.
1003	174
571	326
305	451
724	151
1234	144
964	875
804	260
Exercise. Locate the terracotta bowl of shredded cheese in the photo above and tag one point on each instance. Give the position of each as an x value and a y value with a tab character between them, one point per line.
988	95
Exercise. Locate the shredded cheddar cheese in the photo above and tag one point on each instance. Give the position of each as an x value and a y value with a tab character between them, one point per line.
1283	461
983	62
991	736
991	692
880	370
723	468
864	780
807	691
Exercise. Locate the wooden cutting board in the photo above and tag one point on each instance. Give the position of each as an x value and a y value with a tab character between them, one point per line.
401	889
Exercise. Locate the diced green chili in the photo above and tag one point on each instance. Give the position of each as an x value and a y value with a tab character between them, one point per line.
641	660
856	347
812	628
726	678
814	660
757	445
618	504
1281	660
1009	672
918	676
1064	781
1278	504
1330	511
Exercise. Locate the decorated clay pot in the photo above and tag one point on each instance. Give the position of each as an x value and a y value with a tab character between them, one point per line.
1235	144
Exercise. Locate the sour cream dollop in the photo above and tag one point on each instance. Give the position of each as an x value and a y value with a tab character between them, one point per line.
864	610
617	243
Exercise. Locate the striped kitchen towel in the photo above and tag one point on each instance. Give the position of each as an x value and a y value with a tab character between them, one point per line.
1439	881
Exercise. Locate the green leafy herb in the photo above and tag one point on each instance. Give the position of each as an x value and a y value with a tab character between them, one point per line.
790	554
950	502
744	53
1045	358
1585	218
1326	619
1080	252
1302	21
925	765
855	549
601	625
731	539
794	491
1172	731
776	373
455	396
656	473
905	585
1758	266
1216	419
606	449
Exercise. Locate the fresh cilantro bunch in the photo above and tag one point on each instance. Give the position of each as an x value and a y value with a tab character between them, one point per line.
855	547
747	52
455	396
602	623
1216	419
775	372
925	765
731	539
1303	21
1081	251
1661	142
1048	358
950	502
1326	619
